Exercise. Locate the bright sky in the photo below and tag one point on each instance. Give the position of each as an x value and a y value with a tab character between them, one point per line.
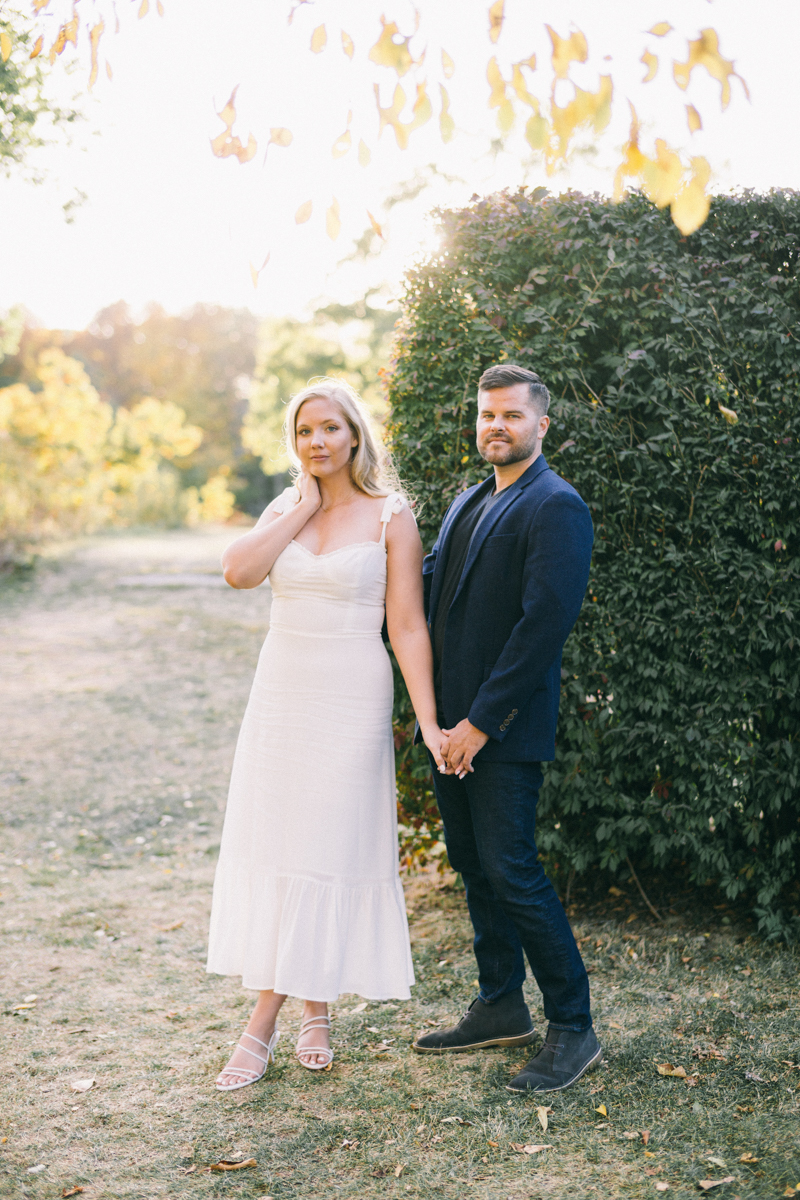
167	221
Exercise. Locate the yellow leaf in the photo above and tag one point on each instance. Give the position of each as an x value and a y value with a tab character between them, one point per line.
542	1112
333	222
342	144
704	52
225	144
303	213
693	118
448	66
37	47
364	155
226	1164
388	53
447	125
708	1184
109	72
730	416
586	107
536	132
144	8
375	226
5	46
159	8
601	1108
519	85
567	50
690	207
496	15
348	45
319	40
662	176
661	29
668	1069
527	1149
398	1171
498	98
94	38
748	1157
391	116
422	111
254	274
651	62
279	136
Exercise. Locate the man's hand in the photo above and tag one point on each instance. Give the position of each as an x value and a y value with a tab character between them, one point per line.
461	745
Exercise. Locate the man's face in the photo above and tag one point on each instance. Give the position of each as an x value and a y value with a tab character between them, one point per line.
509	428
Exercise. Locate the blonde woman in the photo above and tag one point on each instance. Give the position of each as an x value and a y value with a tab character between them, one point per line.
307	896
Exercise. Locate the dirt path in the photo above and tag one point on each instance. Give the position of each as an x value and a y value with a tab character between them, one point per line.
126	668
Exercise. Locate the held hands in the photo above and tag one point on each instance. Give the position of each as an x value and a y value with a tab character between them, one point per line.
460	745
433	738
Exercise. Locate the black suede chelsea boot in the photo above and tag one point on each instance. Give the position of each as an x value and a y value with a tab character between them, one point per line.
563	1058
505	1022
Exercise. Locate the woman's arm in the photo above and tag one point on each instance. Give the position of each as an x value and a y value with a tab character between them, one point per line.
408	631
248	561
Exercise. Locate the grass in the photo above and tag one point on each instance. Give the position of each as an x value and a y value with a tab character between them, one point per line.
120	708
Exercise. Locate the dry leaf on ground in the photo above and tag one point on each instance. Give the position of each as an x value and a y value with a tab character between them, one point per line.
82	1085
631	1135
71	1191
520	1149
358	1008
645	1136
708	1184
601	1108
542	1112
226	1165
169	928
662	1187
398	1171
748	1157
668	1069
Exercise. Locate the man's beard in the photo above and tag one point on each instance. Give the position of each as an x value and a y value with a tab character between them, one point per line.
504	453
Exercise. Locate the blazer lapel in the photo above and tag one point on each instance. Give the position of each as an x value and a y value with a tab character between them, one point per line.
497	510
444	536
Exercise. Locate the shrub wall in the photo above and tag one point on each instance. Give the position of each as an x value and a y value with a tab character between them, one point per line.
674	367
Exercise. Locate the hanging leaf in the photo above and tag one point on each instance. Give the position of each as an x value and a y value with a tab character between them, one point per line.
661	29
662	176
38	5
94	38
388	53
319	39
496	15
254	274
447	125
632	160
586	108
536	132
704	52
159	8
691	206
448	66
375	226
651	62
279	136
364	154
5	46
109	72
730	416
391	116
303	213
567	50
37	47
693	118
348	45
226	144
497	97
333	224
422	111
342	144
144	8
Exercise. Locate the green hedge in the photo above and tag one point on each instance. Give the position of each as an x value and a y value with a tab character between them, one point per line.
674	367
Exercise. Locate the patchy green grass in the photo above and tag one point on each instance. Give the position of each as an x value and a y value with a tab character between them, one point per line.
120	707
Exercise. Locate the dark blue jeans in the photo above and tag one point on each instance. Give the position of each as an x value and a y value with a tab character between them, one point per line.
490	825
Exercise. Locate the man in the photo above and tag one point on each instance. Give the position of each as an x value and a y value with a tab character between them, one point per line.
504	586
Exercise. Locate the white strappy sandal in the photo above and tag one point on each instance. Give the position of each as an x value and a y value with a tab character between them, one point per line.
247	1074
314	1023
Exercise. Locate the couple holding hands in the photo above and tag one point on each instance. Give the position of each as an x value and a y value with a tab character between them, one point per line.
307	896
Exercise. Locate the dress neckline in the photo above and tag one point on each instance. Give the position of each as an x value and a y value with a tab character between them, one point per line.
338	550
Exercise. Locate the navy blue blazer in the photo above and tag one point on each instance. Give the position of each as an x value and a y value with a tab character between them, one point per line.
519	596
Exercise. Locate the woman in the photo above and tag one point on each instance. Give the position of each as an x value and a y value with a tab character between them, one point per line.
307	896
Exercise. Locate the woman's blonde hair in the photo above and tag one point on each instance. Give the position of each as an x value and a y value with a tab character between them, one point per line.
371	468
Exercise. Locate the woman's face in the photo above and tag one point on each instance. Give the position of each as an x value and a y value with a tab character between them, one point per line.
324	439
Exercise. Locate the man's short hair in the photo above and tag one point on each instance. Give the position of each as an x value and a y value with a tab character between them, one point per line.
507	375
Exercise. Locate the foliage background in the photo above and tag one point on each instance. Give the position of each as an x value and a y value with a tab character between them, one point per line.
673	364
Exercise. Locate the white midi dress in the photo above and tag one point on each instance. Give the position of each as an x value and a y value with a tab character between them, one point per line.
307	896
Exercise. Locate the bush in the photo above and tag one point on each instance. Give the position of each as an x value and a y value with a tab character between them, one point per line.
673	364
